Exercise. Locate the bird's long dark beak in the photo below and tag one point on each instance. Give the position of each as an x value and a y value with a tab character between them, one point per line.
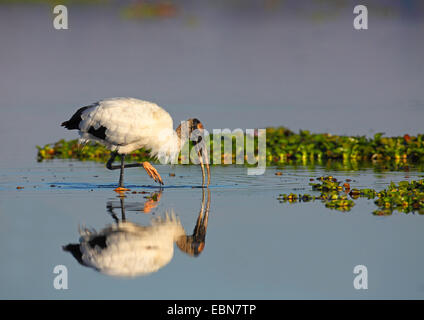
204	158
202	152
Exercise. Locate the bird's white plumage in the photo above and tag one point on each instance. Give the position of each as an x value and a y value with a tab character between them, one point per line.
131	249
130	125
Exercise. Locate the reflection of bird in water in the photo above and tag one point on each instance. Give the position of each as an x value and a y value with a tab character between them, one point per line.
127	124
194	244
146	207
129	249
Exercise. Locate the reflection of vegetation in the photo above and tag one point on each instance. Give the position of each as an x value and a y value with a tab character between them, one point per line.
150	10
286	147
405	197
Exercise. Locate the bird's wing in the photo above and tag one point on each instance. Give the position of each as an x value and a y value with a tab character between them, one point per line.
122	121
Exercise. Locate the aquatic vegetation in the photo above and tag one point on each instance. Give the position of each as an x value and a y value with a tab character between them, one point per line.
285	147
340	204
283	144
331	200
406	197
365	193
327	184
92	151
332	194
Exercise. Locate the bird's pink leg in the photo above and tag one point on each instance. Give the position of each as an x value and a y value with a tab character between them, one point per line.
152	172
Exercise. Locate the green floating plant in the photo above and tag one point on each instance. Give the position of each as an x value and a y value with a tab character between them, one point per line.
404	197
286	147
333	195
327	184
384	153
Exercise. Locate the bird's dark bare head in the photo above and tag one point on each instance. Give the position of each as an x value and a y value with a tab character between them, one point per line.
191	125
195	124
193	130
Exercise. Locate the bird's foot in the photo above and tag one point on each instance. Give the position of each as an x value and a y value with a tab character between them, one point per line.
152	172
121	189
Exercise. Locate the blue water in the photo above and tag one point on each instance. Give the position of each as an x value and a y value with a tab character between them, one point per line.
255	247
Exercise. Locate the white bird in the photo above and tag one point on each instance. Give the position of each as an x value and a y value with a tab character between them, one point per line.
127	124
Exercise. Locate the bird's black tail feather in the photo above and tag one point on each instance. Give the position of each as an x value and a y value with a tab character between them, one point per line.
66	125
73	123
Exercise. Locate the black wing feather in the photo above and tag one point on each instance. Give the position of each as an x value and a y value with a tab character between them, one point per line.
75	120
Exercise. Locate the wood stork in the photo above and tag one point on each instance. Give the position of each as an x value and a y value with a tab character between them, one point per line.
127	249
127	124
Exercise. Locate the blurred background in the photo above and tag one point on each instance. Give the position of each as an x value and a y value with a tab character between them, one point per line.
230	63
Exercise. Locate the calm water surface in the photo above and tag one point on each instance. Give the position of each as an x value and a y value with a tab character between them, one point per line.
254	247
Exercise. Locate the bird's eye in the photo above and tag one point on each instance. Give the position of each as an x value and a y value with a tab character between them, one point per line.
199	125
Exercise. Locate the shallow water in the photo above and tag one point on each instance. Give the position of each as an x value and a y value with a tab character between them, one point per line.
255	247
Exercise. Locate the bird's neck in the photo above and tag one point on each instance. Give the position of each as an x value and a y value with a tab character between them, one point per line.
182	138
